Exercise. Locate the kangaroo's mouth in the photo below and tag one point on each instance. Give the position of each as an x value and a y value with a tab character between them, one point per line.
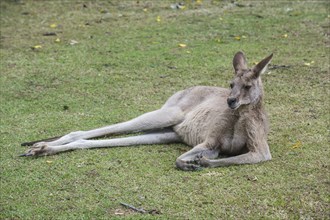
234	106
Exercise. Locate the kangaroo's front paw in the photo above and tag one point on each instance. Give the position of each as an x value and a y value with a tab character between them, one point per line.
187	165
203	161
39	149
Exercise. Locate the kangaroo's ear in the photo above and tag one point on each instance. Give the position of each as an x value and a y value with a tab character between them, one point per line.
261	66
239	62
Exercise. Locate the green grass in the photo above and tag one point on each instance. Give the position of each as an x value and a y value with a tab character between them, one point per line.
126	63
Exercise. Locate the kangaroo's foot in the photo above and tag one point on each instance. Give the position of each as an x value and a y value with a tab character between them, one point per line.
39	149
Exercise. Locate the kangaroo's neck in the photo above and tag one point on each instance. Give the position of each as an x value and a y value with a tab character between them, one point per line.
254	117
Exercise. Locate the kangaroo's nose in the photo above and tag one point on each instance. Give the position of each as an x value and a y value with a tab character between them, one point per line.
231	102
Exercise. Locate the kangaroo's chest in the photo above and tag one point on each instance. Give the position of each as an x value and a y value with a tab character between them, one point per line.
219	127
233	141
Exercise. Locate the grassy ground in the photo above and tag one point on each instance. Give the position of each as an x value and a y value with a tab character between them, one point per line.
112	61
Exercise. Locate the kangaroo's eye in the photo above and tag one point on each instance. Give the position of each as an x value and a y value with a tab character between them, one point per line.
231	85
247	87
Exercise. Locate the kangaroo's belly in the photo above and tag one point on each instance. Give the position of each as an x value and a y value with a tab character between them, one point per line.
195	128
206	121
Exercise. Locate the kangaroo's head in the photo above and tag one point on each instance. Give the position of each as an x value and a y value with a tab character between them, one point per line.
246	87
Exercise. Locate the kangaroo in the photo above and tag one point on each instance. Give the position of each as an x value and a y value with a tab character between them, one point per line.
224	126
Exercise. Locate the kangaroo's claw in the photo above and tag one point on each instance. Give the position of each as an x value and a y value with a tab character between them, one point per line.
203	161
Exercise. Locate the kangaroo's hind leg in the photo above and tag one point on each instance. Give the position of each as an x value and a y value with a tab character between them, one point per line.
161	118
160	137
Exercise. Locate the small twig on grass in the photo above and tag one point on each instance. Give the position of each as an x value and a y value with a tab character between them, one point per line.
49	34
273	67
133	208
152	212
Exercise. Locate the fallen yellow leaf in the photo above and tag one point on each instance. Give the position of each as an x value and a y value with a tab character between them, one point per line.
296	145
158	19
37	47
182	45
237	38
145	9
284	35
53	25
58	40
199	2
309	63
49	161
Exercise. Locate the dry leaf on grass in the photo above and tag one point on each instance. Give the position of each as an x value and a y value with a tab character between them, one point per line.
36	47
73	42
309	63
296	145
119	212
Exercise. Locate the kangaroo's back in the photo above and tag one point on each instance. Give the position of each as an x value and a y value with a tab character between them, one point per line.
192	97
